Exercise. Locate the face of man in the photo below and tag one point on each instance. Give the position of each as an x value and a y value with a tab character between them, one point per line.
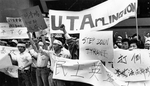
125	45
21	49
56	47
133	46
147	46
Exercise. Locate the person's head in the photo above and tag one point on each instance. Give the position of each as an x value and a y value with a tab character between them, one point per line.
41	44
125	43
134	36
21	47
147	43
57	45
133	44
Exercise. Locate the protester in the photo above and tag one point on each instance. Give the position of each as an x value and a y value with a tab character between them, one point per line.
73	46
24	61
140	42
125	44
134	44
42	71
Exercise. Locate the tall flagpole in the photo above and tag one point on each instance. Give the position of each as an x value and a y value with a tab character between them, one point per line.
137	30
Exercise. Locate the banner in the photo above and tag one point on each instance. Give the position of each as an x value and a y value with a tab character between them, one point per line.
4	25
96	45
100	17
132	65
13	33
89	71
5	61
12	71
33	19
15	22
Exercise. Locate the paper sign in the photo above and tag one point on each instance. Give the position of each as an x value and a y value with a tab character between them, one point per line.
132	65
99	17
96	45
15	22
13	33
33	19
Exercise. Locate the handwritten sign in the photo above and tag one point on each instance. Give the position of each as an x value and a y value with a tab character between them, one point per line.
91	72
5	60
12	71
15	22
12	50
132	65
33	19
13	33
87	71
96	45
99	17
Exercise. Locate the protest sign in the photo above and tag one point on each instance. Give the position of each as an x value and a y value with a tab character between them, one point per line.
13	33
33	19
12	71
91	72
15	22
100	17
95	45
132	65
5	60
87	71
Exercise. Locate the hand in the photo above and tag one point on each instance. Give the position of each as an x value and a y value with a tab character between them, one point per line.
21	68
62	28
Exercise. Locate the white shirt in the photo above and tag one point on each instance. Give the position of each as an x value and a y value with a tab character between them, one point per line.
23	59
54	57
42	60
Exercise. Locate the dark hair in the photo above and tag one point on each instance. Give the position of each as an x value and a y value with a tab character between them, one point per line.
125	40
139	37
136	42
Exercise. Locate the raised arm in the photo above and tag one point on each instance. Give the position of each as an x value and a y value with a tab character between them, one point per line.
32	42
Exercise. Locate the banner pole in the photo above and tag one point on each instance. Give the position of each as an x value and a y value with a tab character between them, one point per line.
137	31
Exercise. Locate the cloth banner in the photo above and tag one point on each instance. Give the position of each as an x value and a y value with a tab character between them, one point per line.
5	61
100	17
132	65
15	21
13	33
89	71
12	71
33	19
96	45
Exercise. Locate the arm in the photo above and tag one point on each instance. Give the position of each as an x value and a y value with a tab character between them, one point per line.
32	42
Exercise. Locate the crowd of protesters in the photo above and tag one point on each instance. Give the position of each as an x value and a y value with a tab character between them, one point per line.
36	55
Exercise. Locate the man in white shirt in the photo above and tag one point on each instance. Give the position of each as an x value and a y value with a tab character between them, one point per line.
42	71
57	52
24	61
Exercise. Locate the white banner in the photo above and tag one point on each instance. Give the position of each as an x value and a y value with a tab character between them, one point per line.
90	71
13	33
5	61
96	45
102	16
132	65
